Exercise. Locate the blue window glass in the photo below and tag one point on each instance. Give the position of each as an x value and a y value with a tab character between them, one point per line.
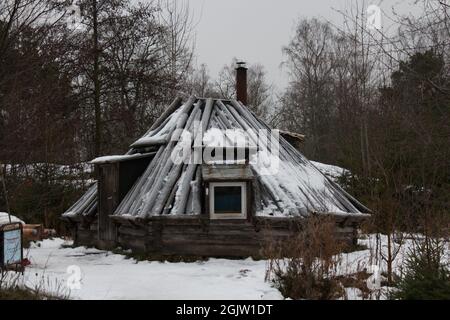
227	199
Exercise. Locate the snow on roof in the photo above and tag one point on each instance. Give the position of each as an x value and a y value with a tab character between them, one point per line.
118	158
161	134
331	171
85	206
295	188
216	137
4	219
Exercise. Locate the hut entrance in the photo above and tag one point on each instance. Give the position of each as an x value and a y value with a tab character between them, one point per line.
116	176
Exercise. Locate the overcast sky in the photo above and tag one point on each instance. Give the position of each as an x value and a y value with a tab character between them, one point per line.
256	30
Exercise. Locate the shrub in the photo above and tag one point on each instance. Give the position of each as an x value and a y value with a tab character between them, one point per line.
40	193
304	267
12	287
426	276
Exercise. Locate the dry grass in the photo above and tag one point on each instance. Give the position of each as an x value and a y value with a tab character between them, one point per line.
304	267
358	281
13	287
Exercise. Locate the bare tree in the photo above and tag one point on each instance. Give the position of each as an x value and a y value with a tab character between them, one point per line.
307	103
96	77
178	38
200	82
18	15
259	90
407	121
143	54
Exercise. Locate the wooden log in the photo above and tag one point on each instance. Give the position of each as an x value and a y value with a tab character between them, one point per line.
291	155
196	194
130	231
167	164
127	202
160	162
180	207
187	235
170	200
175	172
286	160
149	177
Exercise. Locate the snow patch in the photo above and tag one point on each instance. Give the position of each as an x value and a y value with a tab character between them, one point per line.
229	138
116	158
111	276
160	135
333	172
4	219
105	275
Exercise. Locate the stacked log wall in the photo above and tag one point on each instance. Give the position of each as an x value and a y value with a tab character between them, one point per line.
200	236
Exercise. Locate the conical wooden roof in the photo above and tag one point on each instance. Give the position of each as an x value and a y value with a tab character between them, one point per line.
296	188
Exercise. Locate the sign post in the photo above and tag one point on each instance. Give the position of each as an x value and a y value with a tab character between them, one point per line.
11	252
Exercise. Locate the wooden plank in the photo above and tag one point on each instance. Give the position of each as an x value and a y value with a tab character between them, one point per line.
108	199
226	172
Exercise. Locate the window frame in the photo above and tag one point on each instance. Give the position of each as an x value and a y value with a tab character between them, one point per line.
223	216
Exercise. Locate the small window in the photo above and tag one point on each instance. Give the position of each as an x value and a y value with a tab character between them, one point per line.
228	200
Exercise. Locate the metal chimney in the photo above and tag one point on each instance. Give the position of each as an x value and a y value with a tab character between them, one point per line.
241	82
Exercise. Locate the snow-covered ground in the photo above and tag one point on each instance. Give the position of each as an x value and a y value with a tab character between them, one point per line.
105	275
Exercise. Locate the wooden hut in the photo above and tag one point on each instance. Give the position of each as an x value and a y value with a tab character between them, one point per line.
149	202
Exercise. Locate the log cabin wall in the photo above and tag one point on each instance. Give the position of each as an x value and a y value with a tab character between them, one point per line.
115	180
86	234
200	236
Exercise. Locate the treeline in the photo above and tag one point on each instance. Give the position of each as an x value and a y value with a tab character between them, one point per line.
81	80
377	101
78	81
378	104
84	78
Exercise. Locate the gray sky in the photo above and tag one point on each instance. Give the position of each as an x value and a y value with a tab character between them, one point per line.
256	30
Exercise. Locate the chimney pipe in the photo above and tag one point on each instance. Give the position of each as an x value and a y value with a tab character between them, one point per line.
241	82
